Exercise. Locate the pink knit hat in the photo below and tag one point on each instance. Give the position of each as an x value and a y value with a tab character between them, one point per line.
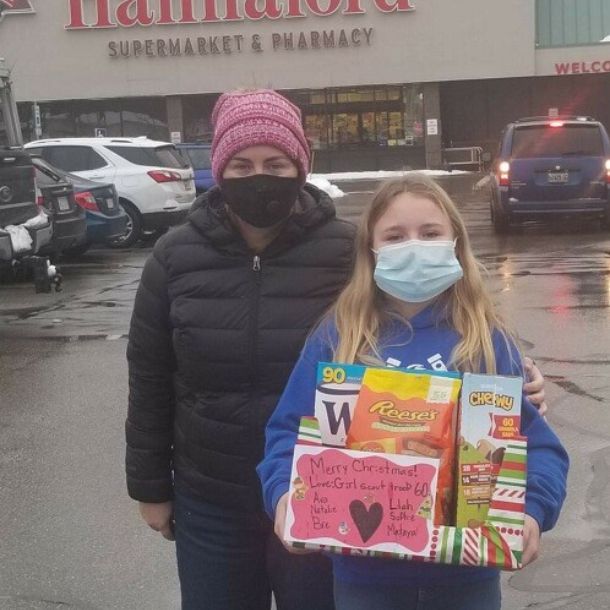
250	118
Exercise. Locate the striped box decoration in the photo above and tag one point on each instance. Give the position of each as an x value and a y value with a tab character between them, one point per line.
497	543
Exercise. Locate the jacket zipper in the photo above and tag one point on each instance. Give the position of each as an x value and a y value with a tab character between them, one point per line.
256	268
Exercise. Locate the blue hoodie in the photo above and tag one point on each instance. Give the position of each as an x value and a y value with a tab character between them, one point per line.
428	344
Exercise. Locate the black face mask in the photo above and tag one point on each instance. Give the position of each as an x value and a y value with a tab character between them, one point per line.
261	200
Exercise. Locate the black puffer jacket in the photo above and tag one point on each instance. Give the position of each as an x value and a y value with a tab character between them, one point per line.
214	335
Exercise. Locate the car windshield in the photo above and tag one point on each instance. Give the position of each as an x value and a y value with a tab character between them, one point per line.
547	141
199	157
163	156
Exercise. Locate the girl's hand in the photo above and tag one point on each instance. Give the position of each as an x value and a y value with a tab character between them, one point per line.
531	540
280	522
534	388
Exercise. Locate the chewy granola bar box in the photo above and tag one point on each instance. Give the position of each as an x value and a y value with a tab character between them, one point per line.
489	419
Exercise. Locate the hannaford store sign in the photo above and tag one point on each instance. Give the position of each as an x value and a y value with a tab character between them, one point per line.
129	13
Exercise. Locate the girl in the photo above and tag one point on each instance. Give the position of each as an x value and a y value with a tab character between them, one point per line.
416	292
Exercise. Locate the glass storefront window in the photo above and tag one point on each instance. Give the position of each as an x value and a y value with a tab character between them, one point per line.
345	129
316	130
129	118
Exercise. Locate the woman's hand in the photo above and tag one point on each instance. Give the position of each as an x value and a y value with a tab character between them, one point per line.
531	540
280	522
158	516
534	388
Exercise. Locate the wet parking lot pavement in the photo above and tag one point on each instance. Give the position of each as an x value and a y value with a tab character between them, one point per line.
70	538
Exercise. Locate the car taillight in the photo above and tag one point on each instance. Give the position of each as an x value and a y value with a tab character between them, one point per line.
161	175
556	123
504	169
607	171
87	201
40	200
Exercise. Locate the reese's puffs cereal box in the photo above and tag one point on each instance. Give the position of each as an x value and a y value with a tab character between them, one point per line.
413	413
490	416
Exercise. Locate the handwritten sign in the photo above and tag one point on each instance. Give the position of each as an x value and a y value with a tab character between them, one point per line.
361	500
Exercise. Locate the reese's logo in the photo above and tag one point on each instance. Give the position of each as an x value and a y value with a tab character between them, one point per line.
491	399
388	411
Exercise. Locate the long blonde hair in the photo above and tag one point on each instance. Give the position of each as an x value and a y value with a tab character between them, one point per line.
360	311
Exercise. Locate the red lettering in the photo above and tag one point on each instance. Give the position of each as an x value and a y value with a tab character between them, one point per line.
77	20
210	11
596	66
232	12
103	15
314	7
269	10
585	69
165	13
399	5
606	66
562	68
141	17
186	15
575	67
353	8
294	9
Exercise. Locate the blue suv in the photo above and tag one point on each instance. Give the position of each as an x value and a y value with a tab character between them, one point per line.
198	156
551	167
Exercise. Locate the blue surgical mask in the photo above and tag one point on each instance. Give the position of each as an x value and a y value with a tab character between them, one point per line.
416	271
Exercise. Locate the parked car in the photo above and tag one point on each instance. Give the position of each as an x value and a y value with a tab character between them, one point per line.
155	185
24	231
105	219
56	196
551	167
198	156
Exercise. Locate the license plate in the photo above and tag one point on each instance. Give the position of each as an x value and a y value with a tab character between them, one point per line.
110	203
558	177
63	203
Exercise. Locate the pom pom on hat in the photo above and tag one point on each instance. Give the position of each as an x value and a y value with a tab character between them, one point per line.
251	118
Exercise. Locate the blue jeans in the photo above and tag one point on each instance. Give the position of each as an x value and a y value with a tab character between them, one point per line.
232	560
482	595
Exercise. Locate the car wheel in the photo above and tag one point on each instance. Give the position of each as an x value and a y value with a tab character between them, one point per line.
133	231
500	220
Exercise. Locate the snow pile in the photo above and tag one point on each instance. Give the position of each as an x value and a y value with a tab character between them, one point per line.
380	175
482	184
21	239
324	184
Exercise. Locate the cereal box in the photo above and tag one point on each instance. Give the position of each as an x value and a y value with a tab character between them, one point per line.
490	418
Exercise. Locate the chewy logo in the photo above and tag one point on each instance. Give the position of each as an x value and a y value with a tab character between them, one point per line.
491	399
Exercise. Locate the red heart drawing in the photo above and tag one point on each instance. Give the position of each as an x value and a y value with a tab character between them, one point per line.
367	520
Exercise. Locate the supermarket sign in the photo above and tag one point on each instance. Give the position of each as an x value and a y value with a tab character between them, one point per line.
98	14
14	7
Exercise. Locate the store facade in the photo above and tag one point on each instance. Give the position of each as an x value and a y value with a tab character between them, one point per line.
382	84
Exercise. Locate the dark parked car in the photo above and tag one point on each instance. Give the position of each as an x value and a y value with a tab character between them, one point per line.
56	196
18	206
105	218
551	167
198	156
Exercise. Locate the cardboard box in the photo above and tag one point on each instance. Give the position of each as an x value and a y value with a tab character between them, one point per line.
490	419
380	505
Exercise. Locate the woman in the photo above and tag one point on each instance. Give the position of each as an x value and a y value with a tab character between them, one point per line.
223	309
